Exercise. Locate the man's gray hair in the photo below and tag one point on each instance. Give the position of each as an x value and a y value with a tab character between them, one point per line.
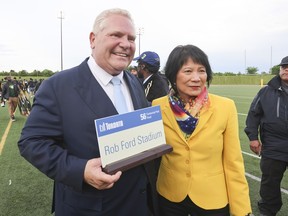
99	23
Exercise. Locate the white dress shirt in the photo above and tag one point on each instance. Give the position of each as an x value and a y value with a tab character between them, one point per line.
104	79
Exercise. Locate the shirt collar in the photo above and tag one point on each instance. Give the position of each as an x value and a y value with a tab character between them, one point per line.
147	78
100	74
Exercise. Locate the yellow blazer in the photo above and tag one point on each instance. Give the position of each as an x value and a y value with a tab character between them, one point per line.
208	166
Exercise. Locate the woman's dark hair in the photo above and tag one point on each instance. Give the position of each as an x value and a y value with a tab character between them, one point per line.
179	56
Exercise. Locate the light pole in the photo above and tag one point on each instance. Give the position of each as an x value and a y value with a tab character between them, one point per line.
245	61
61	17
270	71
139	33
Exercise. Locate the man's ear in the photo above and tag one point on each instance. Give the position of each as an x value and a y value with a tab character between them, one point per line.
92	39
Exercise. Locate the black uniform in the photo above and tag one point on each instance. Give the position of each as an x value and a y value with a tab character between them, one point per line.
268	117
156	86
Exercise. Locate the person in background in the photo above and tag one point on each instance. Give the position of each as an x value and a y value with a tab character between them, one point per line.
134	71
154	83
59	136
2	84
10	92
31	87
266	128
38	83
206	163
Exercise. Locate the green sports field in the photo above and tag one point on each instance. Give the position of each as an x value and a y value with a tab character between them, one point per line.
243	96
25	191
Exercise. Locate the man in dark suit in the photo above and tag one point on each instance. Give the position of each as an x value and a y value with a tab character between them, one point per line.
59	136
155	83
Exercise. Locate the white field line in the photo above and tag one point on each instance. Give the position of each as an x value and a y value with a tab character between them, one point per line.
252	155
4	137
242	114
256	156
259	179
255	177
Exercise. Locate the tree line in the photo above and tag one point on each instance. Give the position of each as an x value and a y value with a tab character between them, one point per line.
47	73
24	73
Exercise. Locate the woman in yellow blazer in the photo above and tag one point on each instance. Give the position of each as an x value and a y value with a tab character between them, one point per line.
204	174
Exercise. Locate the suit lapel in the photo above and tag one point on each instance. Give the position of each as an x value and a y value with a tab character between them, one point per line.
169	115
96	98
92	93
205	115
134	91
151	78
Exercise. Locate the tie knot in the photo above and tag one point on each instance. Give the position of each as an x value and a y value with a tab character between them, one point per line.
115	81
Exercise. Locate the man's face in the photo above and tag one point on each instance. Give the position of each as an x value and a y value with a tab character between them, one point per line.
113	48
284	73
134	72
140	68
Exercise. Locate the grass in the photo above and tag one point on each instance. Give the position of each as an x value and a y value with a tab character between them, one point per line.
243	96
25	191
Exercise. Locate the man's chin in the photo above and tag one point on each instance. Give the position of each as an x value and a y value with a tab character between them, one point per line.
118	69
122	65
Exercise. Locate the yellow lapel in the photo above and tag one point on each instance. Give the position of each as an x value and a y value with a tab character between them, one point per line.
205	115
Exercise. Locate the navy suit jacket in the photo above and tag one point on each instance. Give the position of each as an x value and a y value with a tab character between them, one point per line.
59	138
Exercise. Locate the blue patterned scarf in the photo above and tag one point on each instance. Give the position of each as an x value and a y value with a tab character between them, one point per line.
182	112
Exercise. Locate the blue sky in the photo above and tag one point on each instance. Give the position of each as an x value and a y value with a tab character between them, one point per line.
234	33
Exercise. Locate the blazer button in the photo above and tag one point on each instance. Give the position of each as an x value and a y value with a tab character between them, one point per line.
187	161
187	148
188	175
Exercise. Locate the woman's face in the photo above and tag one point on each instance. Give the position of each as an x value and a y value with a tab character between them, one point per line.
190	80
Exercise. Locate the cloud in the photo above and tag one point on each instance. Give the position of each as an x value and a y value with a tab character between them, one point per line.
224	29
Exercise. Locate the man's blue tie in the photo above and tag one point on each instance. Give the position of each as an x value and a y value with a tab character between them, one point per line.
119	99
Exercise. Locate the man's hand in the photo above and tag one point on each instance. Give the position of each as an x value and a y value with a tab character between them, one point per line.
94	176
256	146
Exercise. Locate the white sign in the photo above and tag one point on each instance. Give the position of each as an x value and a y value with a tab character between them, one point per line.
124	135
